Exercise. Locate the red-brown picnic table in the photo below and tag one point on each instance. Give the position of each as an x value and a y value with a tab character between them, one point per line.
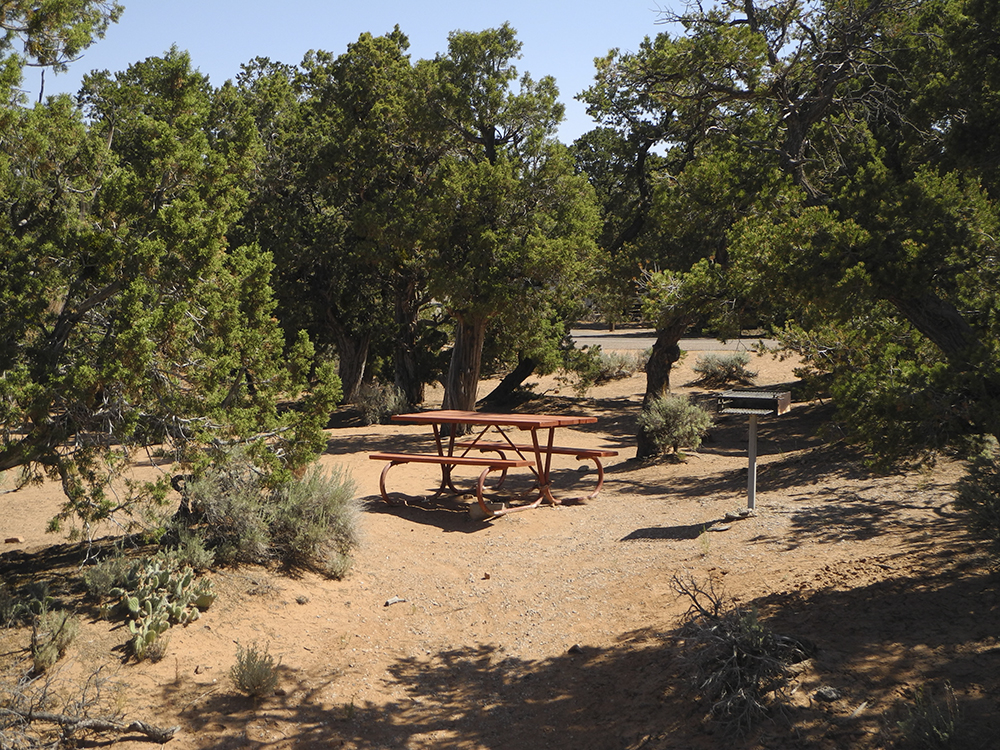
535	453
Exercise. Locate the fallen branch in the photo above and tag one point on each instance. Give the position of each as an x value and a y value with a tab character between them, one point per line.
76	723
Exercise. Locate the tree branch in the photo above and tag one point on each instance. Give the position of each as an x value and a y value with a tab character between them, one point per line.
77	723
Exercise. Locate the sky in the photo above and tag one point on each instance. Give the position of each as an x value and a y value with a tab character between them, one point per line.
560	38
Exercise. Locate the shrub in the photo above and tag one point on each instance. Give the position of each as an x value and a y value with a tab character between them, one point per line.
12	609
191	551
308	521
931	722
104	575
255	672
718	369
379	401
52	633
673	421
978	498
736	664
317	522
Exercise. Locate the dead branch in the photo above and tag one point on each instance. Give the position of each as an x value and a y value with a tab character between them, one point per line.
72	724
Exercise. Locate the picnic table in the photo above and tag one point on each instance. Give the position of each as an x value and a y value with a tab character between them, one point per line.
489	447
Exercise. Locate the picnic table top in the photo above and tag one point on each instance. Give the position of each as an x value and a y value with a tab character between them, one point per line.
523	421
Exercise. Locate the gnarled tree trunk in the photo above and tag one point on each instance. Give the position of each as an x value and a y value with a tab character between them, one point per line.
463	372
665	352
406	361
353	353
525	366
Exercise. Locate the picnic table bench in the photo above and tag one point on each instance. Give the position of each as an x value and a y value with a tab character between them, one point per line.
536	455
447	463
591	454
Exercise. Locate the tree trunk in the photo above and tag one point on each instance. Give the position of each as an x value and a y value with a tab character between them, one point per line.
665	352
947	328
525	366
406	362
463	372
353	353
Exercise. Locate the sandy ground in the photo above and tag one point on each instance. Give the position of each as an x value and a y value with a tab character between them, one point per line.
556	627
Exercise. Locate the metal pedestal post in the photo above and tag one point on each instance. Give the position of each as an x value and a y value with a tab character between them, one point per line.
752	468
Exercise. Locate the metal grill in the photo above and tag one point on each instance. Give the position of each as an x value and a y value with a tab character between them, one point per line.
760	403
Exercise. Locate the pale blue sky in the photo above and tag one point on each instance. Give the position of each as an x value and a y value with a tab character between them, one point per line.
560	38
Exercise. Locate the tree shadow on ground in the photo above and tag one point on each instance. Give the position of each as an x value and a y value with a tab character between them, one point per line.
932	628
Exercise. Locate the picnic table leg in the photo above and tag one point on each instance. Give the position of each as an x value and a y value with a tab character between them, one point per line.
544	466
381	485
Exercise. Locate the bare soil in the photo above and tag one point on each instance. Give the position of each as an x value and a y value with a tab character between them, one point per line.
557	627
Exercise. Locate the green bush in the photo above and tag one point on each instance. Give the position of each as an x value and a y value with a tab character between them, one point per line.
978	498
317	521
255	672
718	369
105	574
931	722
379	401
52	633
12	609
308	521
674	421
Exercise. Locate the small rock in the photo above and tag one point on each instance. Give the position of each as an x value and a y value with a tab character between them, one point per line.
14	540
302	599
394	600
828	694
576	648
720	527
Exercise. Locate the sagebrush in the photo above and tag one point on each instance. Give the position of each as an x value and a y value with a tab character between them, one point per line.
308	521
379	401
931	720
674	421
590	366
255	672
52	632
724	368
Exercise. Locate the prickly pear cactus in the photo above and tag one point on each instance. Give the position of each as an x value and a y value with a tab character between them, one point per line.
158	593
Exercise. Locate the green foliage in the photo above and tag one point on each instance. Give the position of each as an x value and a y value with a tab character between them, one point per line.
674	421
931	722
53	631
309	520
379	401
717	369
155	593
54	32
128	320
592	366
255	672
870	212
978	498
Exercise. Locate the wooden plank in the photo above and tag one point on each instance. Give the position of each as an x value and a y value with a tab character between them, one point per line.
433	458
560	450
522	421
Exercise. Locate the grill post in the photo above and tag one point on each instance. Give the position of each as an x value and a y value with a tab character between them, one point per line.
754	404
752	468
